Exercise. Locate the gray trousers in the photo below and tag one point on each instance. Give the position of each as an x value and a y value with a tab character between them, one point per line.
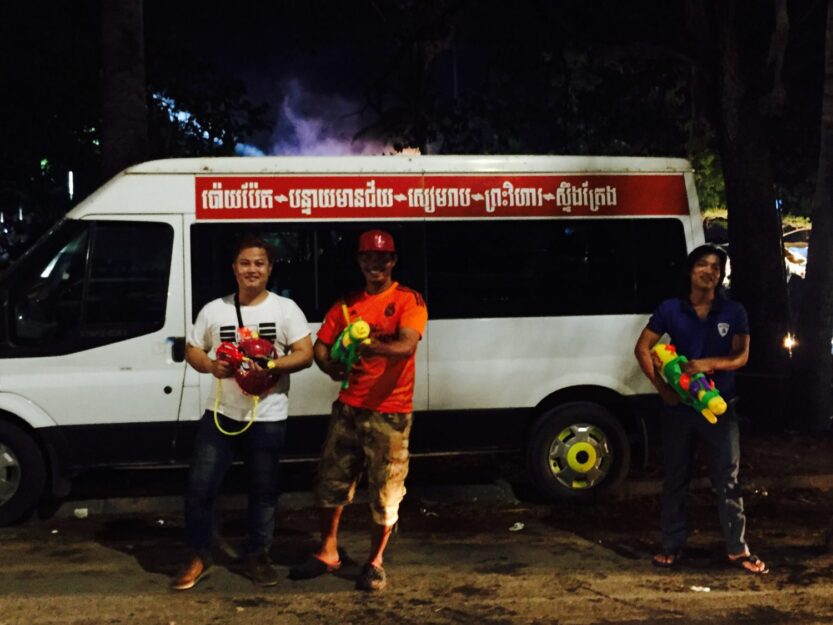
682	430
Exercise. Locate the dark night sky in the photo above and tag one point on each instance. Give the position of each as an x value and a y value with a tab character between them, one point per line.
313	61
532	76
309	60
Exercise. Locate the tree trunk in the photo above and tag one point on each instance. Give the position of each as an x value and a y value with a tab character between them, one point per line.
757	258
124	134
812	369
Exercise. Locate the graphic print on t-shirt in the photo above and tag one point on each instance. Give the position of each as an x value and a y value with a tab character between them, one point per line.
265	331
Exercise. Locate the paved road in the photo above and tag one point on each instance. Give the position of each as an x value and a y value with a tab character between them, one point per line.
453	562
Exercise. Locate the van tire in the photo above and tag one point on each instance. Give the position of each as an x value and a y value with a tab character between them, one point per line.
22	474
578	450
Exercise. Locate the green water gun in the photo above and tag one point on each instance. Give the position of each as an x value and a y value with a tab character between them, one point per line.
695	390
346	348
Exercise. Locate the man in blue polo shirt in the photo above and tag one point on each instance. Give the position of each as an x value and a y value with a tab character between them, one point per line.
712	331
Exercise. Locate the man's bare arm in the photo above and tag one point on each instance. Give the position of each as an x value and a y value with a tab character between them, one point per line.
198	358
737	358
401	347
298	358
642	351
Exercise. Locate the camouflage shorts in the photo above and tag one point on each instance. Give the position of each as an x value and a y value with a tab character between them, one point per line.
359	440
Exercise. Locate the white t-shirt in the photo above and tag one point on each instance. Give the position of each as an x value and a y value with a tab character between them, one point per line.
277	319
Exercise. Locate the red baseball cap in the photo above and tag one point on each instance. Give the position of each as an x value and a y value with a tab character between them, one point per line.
376	241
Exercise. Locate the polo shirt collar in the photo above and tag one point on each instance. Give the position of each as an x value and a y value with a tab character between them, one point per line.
717	304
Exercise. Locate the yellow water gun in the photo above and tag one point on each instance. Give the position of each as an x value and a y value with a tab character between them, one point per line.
346	348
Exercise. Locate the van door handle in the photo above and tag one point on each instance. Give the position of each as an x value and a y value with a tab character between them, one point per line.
177	348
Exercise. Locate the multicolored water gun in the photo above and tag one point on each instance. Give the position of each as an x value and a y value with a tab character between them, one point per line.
695	390
346	348
250	349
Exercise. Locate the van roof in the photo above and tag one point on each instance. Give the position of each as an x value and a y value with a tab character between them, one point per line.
409	163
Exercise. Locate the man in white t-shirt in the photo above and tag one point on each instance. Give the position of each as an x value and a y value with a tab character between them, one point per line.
230	410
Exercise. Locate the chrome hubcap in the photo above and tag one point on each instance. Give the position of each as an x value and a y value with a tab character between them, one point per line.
9	474
580	456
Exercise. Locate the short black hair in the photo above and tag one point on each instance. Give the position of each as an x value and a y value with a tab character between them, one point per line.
246	241
704	250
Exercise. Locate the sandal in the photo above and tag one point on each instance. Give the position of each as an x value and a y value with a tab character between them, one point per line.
673	558
752	559
312	567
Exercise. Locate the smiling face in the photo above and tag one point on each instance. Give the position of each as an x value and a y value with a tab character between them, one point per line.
252	270
706	273
376	268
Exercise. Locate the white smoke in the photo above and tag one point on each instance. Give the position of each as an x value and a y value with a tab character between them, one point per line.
321	124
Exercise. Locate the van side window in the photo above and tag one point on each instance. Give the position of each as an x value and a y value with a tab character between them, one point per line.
212	250
128	278
314	264
660	252
532	268
338	272
95	283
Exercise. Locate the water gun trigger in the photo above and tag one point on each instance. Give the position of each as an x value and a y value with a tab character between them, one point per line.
709	415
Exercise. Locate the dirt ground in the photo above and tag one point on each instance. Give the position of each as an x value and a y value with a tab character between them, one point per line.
450	563
455	562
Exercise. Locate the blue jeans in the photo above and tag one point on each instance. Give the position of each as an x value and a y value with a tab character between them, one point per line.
214	451
682	429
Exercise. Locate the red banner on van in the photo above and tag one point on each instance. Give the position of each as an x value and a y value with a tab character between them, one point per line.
328	196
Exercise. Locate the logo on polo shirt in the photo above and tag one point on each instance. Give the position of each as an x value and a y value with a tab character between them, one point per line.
723	329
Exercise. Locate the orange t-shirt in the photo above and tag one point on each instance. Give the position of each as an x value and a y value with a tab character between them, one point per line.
379	382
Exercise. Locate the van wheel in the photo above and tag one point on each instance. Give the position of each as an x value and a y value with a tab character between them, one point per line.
578	449
22	474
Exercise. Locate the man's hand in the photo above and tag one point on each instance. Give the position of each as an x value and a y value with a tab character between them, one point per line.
371	347
668	396
221	369
333	368
700	365
199	360
336	371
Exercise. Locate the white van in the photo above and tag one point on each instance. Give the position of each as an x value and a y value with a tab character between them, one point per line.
538	271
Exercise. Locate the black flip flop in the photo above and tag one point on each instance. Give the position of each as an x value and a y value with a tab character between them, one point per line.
312	567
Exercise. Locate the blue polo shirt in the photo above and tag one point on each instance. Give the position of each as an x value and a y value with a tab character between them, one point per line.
703	338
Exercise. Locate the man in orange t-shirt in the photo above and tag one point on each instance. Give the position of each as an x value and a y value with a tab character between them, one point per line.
371	420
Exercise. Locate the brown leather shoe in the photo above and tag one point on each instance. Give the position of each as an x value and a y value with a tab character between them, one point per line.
194	571
260	570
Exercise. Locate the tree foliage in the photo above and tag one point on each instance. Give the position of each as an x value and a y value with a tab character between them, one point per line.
196	110
52	109
462	78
